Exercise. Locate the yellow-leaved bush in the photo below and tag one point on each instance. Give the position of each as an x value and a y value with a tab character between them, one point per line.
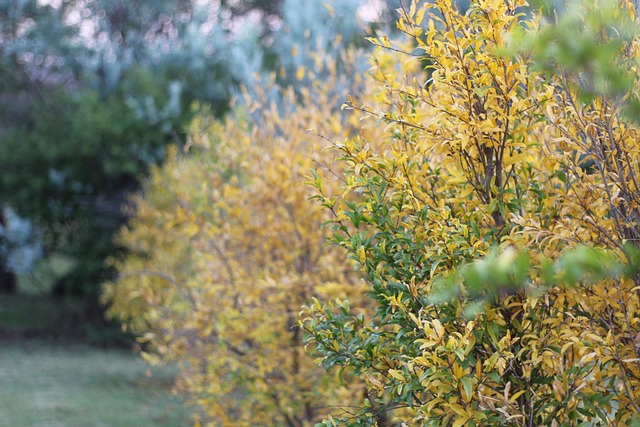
467	201
225	248
491	154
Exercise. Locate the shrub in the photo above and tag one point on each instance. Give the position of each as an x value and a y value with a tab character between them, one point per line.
225	248
489	153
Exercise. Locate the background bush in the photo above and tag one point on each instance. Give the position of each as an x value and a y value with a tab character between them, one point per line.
225	248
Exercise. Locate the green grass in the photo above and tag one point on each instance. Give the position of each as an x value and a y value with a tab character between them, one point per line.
49	385
51	376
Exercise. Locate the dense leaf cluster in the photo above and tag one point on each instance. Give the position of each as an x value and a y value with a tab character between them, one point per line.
491	205
491	152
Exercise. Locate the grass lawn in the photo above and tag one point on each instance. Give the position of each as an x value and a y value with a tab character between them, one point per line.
52	384
52	373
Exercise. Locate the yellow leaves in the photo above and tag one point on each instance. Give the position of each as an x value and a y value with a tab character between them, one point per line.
435	334
479	116
374	383
240	248
426	343
380	41
362	255
479	373
515	158
463	415
497	361
396	374
431	33
460	422
438	328
512	398
484	151
420	15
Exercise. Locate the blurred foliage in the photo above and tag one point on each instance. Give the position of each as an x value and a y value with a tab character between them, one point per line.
588	41
21	247
224	249
71	169
93	91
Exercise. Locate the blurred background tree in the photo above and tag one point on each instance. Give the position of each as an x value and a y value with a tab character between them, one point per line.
93	91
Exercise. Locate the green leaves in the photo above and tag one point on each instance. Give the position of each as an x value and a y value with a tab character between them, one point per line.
492	221
590	43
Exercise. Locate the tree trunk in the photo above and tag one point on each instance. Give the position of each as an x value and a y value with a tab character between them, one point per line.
8	283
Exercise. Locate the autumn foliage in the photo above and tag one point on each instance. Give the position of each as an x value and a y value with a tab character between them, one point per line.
225	248
491	151
490	202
